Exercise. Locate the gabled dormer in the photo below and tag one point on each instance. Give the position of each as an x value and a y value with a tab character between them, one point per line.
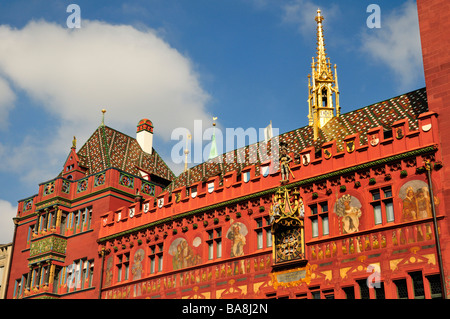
72	169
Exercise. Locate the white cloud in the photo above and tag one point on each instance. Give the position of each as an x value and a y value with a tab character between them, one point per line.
7	98
73	73
397	43
7	212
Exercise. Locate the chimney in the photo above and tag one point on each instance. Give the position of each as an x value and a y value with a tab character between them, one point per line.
144	135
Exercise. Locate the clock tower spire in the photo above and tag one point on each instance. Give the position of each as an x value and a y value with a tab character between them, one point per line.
322	85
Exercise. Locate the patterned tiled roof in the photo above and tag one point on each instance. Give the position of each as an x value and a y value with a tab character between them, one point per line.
409	105
110	148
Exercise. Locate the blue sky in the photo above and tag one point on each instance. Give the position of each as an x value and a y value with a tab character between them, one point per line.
244	61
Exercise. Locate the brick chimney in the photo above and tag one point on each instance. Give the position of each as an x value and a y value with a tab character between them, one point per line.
144	135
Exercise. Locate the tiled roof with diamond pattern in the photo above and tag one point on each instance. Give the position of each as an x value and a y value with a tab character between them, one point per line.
409	105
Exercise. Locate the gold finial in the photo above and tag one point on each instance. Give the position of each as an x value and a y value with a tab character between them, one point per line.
319	17
321	55
103	117
74	142
214	121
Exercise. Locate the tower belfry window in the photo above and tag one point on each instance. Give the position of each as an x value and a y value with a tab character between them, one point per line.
324	98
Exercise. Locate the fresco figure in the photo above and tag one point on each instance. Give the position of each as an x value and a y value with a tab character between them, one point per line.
236	234
183	254
409	205
416	200
348	208
136	270
109	272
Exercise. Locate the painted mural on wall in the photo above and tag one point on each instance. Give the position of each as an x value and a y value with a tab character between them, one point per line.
416	200
136	270
236	233
348	208
183	254
109	272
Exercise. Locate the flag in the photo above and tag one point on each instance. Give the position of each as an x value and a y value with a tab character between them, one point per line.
213	150
268	132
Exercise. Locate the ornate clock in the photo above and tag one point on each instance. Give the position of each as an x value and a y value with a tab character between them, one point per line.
288	245
287	226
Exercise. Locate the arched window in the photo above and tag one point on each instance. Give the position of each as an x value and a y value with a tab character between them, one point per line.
324	97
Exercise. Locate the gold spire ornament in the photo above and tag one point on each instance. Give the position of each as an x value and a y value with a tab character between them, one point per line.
103	117
322	85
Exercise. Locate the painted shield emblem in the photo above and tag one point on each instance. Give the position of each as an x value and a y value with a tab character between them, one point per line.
228	181
210	187
305	158
426	127
350	146
146	207
265	170
131	212
160	202
246	176
194	192
374	140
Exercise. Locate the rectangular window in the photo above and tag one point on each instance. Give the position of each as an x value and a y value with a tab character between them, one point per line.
389	211
325	227
259	239
214	243
219	248
152	264
435	286
382	204
156	257
417	279
315	227
349	292
210	250
379	292
268	238
63	223
30	232
377	213
402	289
363	289
160	262
259	233
319	219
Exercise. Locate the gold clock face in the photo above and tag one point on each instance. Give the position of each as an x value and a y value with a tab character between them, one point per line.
289	245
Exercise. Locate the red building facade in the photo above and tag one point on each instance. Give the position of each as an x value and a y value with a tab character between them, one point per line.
350	217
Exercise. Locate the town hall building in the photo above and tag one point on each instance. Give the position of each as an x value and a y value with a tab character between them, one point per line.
351	206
